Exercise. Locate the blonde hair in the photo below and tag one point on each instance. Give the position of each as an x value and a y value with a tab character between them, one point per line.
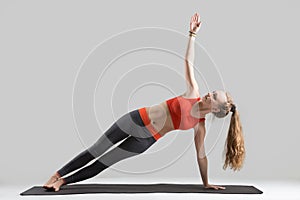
234	145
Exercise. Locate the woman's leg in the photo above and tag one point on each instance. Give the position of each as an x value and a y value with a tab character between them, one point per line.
112	136
131	146
140	139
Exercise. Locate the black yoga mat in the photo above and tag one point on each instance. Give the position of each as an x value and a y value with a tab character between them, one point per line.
140	188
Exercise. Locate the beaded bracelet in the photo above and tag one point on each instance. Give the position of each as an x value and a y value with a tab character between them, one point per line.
192	33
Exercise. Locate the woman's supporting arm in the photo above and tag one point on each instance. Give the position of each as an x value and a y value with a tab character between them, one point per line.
199	136
200	132
202	162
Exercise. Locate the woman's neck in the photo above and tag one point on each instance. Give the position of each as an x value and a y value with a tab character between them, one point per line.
204	109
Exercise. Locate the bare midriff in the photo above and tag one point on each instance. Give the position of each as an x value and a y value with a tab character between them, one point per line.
160	118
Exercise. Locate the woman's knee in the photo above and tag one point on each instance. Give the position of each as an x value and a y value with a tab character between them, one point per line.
112	136
136	145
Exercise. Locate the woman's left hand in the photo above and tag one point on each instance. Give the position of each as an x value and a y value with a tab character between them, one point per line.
216	187
195	23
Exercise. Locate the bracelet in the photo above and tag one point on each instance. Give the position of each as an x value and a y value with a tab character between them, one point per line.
192	33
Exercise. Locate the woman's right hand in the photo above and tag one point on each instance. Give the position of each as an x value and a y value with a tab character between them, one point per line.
215	187
195	23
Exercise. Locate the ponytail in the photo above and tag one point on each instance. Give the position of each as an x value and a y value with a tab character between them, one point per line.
234	146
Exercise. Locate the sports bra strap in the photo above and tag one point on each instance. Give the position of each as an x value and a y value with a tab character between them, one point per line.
201	119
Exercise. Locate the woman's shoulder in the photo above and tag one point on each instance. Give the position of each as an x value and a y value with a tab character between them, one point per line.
190	95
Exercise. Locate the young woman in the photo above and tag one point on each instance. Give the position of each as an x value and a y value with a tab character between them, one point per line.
142	127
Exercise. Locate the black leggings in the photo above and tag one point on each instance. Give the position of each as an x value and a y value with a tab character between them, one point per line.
129	126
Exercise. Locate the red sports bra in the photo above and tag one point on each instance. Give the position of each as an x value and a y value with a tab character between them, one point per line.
180	109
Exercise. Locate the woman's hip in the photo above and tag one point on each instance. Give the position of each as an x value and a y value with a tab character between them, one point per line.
132	124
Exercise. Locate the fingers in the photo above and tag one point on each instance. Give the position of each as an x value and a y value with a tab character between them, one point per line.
192	19
195	22
195	17
219	187
215	187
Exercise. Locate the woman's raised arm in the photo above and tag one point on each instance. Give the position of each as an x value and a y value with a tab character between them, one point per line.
195	24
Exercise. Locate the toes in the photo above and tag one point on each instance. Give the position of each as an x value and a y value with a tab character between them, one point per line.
50	181
47	186
50	189
55	188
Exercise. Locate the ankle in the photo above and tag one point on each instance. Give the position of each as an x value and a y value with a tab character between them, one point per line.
62	181
56	175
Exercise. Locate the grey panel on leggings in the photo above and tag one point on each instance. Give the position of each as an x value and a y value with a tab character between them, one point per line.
130	124
133	125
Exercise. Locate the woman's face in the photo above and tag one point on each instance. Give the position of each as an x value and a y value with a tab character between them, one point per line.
214	99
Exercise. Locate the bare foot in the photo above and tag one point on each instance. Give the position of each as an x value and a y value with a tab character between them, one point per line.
52	179
56	185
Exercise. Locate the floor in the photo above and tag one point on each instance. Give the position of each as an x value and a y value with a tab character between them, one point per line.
288	190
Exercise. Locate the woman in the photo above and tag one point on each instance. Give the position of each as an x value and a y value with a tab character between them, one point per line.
142	127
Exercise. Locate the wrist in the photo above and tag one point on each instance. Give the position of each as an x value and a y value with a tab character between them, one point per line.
205	184
192	34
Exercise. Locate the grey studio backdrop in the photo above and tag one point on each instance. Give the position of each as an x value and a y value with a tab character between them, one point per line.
69	69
